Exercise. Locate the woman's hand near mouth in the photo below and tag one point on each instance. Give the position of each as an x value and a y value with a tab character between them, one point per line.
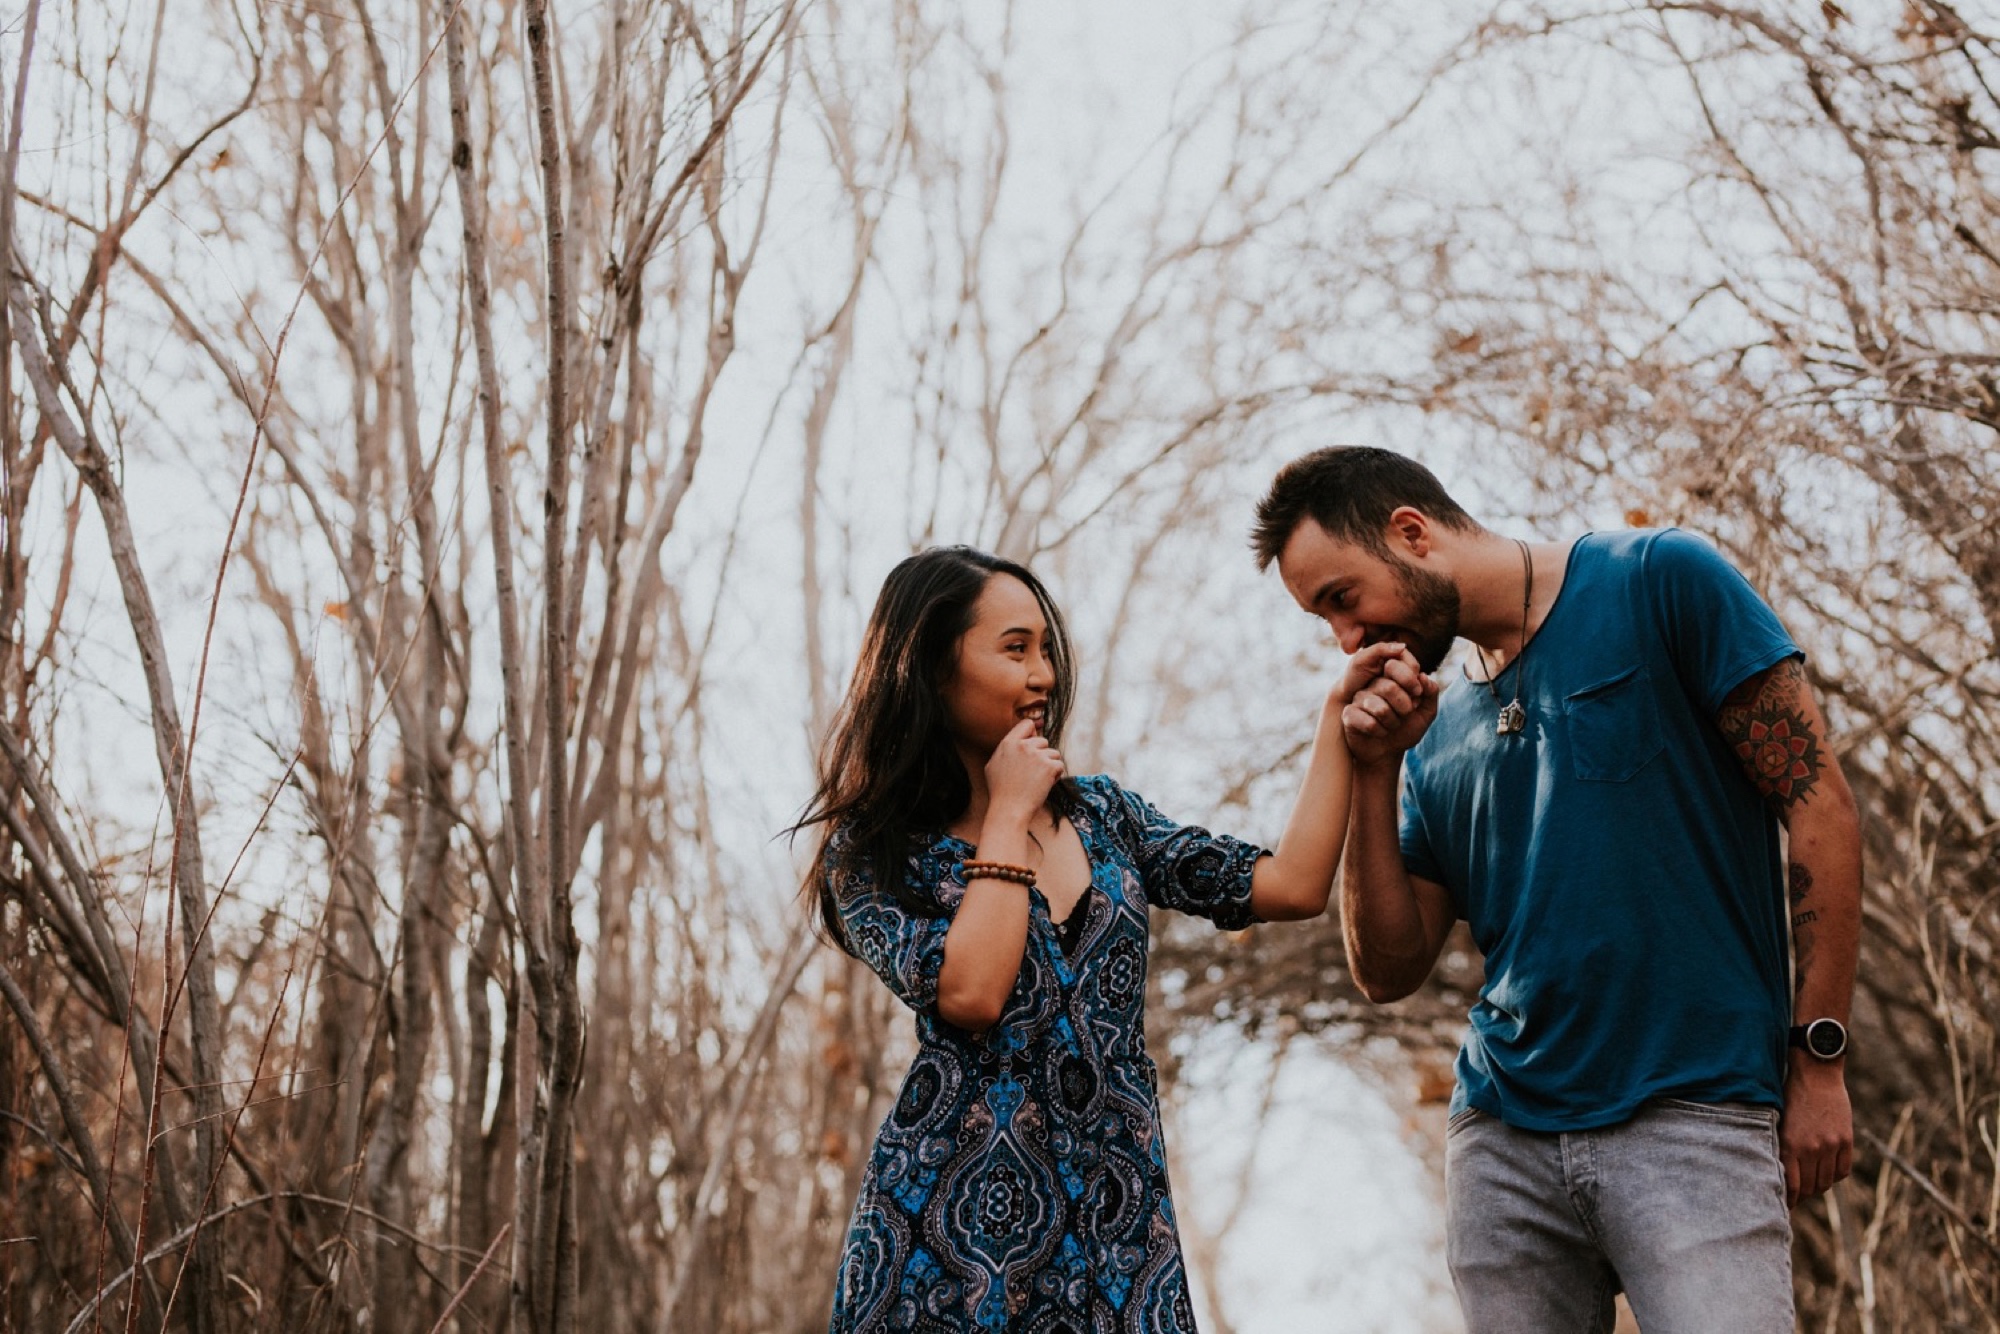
1020	772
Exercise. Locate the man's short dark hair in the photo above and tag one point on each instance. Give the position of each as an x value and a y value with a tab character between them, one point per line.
1350	491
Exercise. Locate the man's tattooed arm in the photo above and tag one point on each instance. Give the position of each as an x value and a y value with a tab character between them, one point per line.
1802	917
1774	726
1771	724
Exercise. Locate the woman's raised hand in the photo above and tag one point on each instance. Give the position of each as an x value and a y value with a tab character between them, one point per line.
1022	769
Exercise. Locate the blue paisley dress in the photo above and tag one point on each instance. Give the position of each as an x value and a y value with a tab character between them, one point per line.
1020	1181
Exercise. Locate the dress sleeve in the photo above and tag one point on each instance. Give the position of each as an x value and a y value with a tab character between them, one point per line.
904	948
1183	866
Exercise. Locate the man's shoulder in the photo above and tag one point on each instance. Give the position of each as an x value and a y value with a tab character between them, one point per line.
1658	567
1656	551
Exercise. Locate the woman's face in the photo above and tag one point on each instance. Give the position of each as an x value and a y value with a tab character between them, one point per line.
1003	673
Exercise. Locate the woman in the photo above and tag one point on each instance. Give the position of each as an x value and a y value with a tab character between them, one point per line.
1020	1181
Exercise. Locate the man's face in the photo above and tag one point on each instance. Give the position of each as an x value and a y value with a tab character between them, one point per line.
1369	598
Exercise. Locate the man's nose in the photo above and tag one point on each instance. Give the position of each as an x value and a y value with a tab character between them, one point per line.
1348	634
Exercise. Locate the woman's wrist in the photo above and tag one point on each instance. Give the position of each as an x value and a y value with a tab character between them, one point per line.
1332	708
1009	817
1008	872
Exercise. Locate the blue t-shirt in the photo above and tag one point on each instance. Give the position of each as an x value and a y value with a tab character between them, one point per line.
1617	867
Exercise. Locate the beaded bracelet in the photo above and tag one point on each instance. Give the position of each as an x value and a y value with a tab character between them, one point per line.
1020	875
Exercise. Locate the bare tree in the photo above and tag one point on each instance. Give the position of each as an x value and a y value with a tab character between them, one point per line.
1802	367
435	971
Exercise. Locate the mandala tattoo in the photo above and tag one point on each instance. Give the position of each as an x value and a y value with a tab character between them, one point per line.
1765	722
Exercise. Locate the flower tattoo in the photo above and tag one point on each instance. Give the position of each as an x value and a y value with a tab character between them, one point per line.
1765	723
1778	755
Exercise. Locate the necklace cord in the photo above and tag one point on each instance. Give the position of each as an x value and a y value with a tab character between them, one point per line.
1514	710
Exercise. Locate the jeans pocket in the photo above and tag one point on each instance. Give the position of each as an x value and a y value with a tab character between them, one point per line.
1749	1115
1613	726
1460	1119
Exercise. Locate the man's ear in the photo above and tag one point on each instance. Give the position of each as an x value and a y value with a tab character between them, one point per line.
1410	530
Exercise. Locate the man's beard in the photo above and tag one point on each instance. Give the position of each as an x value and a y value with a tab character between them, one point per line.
1431	625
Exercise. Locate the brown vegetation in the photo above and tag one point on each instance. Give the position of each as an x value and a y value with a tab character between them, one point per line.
423	977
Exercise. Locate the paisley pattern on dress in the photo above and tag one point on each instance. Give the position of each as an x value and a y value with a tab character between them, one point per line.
1019	1182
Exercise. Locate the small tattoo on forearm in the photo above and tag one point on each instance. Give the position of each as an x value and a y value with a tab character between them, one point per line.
1804	918
1802	883
1802	953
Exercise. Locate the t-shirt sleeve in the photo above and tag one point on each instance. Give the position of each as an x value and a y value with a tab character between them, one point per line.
1414	836
1717	629
1183	866
903	948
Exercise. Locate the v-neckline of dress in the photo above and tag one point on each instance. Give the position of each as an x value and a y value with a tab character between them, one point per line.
1069	930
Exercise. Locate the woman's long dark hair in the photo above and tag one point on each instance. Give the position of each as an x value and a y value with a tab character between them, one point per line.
888	772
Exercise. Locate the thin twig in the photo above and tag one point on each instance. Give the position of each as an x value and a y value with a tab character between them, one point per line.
1928	1187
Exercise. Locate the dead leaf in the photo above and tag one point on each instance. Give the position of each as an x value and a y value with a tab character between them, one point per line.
1435	1082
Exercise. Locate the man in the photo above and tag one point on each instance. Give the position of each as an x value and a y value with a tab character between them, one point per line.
1640	1094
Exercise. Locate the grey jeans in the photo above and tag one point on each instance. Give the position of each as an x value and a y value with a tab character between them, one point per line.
1683	1207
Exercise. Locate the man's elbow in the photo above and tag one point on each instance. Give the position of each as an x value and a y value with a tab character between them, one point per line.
1830	823
1386	986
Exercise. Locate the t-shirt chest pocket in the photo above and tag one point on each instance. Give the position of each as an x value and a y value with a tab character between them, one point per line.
1614	727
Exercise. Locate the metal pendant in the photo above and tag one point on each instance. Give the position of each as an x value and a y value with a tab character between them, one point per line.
1513	718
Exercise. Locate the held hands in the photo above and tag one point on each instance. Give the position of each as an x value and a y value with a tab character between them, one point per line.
1388	703
1022	769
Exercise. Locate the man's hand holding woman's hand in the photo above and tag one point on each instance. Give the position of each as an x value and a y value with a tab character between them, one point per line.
1387	703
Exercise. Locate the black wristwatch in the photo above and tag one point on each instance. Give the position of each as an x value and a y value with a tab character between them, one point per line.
1822	1039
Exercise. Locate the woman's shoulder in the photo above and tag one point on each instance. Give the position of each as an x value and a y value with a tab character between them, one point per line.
1104	796
842	840
1097	787
848	855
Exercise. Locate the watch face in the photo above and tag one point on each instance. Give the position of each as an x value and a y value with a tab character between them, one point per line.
1825	1038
